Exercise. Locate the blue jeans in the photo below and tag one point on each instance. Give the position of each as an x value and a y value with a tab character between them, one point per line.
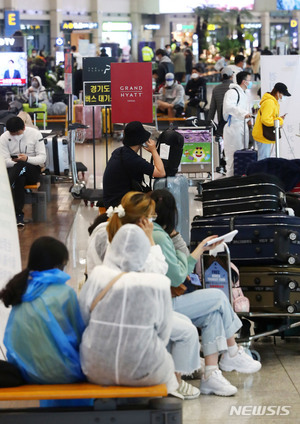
210	310
263	150
184	345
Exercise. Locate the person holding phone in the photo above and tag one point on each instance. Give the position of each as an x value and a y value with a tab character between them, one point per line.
208	310
267	114
125	169
24	152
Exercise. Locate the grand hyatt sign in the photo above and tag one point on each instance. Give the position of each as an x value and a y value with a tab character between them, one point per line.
131	91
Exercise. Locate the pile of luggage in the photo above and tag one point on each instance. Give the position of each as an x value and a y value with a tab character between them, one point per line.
267	246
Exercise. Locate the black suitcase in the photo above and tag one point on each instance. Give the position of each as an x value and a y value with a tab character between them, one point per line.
271	288
242	158
261	239
260	193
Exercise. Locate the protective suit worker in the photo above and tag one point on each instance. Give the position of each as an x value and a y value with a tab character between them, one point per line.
236	109
135	313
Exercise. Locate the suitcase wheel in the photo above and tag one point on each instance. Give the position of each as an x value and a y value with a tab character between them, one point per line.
255	355
291	260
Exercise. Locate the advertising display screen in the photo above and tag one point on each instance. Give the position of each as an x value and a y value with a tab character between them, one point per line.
288	4
13	69
178	6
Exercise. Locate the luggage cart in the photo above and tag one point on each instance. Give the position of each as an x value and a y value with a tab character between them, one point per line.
200	157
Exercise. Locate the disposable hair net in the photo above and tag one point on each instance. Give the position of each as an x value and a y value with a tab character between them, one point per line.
129	249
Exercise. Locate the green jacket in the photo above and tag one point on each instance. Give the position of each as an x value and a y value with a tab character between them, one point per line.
179	265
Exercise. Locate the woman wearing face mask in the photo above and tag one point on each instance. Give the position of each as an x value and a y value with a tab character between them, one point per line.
36	93
267	114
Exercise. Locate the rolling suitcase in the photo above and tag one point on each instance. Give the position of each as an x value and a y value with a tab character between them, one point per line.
261	193
242	158
261	239
179	187
272	288
58	160
84	115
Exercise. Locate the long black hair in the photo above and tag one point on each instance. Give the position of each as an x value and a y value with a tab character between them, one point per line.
165	207
45	253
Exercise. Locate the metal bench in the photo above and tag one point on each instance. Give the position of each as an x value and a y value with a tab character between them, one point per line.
112	404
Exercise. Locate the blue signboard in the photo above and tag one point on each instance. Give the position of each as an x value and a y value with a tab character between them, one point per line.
12	22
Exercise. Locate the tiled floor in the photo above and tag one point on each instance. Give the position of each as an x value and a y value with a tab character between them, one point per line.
275	389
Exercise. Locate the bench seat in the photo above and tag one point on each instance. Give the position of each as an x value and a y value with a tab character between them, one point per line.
78	391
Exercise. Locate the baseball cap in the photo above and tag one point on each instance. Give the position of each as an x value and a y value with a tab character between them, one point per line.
227	71
169	76
282	88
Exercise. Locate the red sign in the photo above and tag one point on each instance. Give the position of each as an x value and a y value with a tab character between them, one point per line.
131	92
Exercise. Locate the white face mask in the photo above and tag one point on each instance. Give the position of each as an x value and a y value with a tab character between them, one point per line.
19	137
169	83
169	50
194	75
282	99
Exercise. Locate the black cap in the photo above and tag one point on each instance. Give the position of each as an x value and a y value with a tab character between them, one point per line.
135	134
282	88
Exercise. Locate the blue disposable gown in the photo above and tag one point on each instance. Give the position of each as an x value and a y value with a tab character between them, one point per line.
43	333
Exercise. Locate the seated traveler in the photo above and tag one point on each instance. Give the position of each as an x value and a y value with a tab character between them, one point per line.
24	152
126	168
209	309
44	328
171	97
129	328
138	208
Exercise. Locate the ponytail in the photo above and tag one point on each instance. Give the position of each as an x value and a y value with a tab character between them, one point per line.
12	293
136	206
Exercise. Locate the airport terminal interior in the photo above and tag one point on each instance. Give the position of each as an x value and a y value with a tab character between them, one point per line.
276	385
124	30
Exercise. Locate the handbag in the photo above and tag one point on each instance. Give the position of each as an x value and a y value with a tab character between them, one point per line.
269	132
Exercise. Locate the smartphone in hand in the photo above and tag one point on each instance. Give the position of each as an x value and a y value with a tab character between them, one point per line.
14	156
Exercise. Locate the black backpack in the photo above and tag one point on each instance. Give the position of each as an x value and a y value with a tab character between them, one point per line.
175	142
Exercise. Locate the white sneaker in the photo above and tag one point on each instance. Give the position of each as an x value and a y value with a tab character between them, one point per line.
186	391
241	362
216	384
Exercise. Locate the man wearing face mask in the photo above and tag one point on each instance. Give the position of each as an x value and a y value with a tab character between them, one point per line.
171	97
268	112
165	65
236	109
239	65
196	90
24	152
